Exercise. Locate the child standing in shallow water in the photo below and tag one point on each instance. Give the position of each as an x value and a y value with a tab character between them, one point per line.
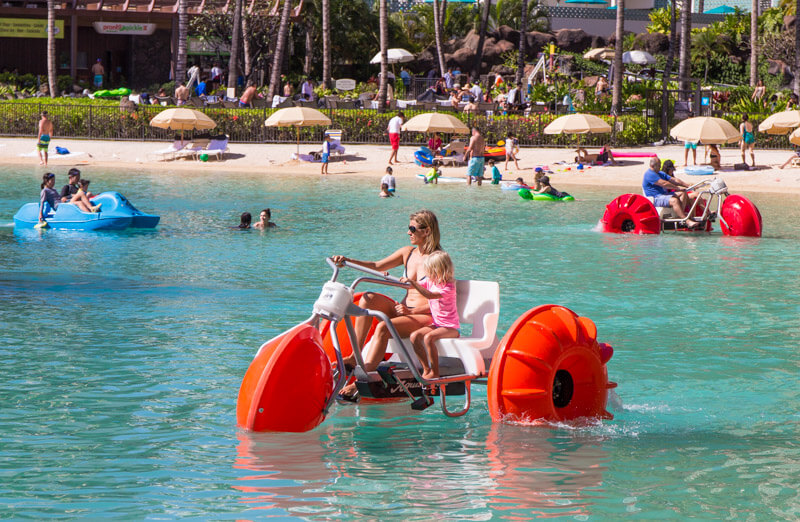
439	287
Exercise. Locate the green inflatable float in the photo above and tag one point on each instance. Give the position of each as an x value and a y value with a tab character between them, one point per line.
527	194
114	93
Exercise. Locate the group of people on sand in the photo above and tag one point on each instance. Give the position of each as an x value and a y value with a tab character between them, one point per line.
428	311
263	221
76	192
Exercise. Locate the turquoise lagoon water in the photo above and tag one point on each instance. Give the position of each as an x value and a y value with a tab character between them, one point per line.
122	354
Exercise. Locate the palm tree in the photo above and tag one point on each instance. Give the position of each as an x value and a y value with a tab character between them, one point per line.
616	99
754	43
673	42
233	60
476	66
248	57
280	45
704	44
684	64
183	30
523	42
383	24
437	31
51	47
796	81
326	44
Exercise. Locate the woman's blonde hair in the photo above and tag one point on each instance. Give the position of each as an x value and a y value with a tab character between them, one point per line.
427	219
439	267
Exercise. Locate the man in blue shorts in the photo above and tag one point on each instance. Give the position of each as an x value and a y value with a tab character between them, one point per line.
474	155
666	191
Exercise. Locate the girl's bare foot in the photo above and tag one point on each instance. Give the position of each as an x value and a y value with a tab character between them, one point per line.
428	374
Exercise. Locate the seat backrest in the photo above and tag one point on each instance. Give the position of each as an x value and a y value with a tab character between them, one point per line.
456	146
216	144
335	134
479	305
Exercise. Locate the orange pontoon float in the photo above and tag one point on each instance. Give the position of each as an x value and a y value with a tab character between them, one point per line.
548	366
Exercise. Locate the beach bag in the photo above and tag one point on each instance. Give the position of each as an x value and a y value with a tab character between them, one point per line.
61	150
741	166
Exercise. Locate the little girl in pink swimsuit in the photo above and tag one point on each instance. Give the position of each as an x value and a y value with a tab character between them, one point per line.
439	287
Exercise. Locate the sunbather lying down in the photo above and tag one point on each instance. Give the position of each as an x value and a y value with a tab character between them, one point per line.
604	156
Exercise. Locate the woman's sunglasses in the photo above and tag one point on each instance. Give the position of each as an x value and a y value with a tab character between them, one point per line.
413	229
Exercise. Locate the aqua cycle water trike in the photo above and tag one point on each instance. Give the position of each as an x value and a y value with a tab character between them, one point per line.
549	365
634	213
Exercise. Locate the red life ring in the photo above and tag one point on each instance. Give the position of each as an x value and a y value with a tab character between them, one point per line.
549	366
631	213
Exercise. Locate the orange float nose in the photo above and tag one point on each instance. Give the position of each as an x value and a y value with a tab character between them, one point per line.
288	384
549	366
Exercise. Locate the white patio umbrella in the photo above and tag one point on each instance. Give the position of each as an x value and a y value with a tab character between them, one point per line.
599	53
780	122
182	119
706	129
638	57
297	117
436	122
395	55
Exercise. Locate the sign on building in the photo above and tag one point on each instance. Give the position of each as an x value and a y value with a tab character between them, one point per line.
28	28
345	84
124	28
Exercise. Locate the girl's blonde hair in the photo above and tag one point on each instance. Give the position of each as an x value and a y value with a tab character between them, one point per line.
439	267
427	219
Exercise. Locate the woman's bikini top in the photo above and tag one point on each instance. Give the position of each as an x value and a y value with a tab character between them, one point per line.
405	265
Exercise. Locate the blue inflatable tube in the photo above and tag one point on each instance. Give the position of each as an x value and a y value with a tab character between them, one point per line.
424	157
699	170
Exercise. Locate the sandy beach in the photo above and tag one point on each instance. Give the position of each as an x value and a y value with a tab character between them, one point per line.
371	160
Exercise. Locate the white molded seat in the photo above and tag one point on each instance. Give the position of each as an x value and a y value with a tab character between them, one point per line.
478	305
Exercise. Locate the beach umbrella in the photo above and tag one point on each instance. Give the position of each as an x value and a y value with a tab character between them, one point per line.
182	119
599	53
780	122
638	57
297	117
578	124
436	122
723	10
396	55
794	137
706	129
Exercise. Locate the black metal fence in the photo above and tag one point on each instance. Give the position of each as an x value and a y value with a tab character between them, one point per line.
367	126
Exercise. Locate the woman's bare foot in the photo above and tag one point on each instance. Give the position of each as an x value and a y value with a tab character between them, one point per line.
428	374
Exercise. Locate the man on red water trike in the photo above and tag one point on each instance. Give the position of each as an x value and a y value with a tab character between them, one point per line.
664	190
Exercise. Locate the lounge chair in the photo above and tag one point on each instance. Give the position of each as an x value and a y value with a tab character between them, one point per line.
169	152
216	147
452	154
193	149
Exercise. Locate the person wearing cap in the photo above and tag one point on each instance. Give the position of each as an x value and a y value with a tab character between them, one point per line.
71	188
664	190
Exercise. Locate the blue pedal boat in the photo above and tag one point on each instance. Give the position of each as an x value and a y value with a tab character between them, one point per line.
116	213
